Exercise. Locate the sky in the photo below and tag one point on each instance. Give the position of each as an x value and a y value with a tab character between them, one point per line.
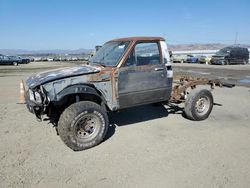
77	24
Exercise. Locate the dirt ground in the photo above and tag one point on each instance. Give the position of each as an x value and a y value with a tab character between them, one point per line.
147	146
234	74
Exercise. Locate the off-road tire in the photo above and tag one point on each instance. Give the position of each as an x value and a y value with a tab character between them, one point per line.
194	98
78	114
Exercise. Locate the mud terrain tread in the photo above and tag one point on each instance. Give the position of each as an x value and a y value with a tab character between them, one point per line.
65	120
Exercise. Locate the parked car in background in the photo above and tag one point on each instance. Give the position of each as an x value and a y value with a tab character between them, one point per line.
25	60
231	55
192	59
205	59
37	59
32	59
73	59
21	60
16	58
85	58
57	59
9	60
180	58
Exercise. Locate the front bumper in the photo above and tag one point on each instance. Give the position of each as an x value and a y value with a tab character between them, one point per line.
217	61
33	107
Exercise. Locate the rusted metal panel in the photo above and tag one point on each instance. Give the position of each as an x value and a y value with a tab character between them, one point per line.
182	83
135	39
105	74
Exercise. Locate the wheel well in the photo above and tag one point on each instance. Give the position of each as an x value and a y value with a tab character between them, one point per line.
84	97
56	108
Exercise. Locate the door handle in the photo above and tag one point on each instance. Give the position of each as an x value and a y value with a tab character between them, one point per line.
159	69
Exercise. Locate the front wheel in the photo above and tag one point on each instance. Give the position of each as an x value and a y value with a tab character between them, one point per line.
15	63
199	104
83	125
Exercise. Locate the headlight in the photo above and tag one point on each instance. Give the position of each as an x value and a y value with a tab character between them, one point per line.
35	96
38	97
31	94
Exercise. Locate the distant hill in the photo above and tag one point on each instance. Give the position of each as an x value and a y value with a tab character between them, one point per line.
212	46
37	52
172	47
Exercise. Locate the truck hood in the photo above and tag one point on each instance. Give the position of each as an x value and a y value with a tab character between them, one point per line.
52	75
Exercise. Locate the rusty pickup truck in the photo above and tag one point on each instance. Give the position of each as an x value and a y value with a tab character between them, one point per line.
124	73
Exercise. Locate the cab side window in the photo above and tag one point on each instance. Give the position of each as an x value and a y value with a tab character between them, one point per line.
146	53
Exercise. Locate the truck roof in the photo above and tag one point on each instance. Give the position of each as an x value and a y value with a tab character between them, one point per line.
139	39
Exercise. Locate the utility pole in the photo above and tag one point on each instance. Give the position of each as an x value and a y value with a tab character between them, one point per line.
236	38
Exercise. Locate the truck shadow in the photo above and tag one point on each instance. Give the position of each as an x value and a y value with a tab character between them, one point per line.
140	114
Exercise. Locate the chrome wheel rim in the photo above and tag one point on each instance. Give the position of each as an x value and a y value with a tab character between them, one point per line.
87	126
202	105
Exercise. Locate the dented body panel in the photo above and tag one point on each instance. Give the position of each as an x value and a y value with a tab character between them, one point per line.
52	75
102	86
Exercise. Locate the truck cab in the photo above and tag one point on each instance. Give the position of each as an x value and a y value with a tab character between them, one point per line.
142	71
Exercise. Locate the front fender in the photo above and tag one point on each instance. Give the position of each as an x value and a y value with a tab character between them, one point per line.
77	89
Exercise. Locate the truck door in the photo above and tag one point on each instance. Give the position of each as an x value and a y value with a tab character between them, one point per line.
143	77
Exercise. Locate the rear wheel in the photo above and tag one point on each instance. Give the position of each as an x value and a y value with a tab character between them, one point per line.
224	62
15	63
83	125
199	104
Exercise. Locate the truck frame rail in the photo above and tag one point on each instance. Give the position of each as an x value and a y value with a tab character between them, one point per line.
182	83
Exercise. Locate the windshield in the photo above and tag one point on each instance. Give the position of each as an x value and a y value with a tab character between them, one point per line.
223	51
110	53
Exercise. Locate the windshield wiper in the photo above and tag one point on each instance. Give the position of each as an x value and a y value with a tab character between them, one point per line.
102	64
99	63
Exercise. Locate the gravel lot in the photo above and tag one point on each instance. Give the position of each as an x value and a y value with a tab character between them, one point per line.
147	146
234	74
